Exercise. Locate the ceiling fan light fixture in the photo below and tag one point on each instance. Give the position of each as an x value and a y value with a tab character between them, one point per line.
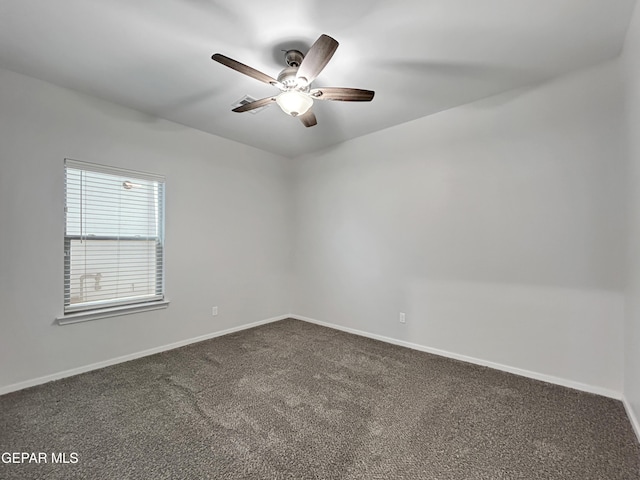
294	103
295	82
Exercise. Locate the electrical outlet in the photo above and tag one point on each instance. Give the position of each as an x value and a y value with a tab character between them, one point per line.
402	318
214	311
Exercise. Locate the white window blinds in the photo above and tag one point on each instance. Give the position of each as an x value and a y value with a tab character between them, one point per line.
114	237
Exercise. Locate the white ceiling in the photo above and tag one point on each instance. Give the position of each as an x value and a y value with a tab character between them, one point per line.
420	56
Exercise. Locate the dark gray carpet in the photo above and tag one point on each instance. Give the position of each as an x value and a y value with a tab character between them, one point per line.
298	401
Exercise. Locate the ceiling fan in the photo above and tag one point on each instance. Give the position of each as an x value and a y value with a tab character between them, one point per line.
296	95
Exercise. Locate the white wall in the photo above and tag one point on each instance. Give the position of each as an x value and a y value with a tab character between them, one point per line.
497	227
631	62
228	221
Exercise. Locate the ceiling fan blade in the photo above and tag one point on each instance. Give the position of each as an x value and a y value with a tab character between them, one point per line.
263	102
308	119
242	68
317	58
342	94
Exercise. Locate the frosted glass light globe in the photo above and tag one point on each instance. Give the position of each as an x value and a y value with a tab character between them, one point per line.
294	103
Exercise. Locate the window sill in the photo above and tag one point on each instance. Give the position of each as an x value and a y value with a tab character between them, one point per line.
110	312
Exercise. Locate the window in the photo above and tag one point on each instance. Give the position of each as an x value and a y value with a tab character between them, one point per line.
114	238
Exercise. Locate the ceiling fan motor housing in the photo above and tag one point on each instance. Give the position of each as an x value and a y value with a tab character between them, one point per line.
289	78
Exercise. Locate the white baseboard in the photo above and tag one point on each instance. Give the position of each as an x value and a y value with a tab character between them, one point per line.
632	417
525	373
477	361
132	356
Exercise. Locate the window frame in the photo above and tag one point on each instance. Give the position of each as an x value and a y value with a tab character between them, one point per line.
114	307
